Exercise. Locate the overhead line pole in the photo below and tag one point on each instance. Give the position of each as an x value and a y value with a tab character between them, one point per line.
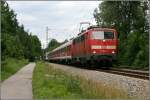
47	29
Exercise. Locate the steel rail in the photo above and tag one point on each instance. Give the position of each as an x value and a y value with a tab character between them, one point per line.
128	72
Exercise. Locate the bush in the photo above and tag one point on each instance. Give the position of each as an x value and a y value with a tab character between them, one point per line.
135	51
11	66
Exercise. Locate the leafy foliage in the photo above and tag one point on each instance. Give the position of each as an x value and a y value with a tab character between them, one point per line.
11	66
131	21
15	41
53	44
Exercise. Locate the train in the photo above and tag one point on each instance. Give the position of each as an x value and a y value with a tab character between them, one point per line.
93	46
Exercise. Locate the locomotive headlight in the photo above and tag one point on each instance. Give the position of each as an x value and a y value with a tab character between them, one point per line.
104	40
94	52
113	52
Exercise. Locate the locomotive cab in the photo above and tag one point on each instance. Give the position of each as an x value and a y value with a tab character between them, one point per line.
103	44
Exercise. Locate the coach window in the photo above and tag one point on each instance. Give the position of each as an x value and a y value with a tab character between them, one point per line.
62	49
79	39
82	38
58	51
65	49
75	41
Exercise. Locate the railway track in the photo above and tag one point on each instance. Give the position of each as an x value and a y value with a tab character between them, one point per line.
130	73
125	72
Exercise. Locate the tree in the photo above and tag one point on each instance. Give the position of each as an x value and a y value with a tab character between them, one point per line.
34	47
52	45
15	41
130	20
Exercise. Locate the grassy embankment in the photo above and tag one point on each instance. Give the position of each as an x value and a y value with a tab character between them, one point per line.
49	83
11	66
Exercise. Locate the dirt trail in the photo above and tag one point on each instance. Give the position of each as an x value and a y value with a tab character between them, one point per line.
18	86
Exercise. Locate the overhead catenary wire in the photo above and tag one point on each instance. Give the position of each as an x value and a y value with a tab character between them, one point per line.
72	31
75	30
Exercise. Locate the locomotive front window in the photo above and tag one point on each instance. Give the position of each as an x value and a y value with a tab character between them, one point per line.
98	35
102	35
108	35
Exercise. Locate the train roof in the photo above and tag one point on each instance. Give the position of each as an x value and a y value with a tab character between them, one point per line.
94	27
98	27
63	45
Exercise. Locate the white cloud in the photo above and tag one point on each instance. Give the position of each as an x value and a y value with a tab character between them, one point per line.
66	3
26	18
78	3
63	17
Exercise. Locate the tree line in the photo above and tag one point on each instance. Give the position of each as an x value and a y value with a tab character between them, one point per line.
16	42
54	44
130	19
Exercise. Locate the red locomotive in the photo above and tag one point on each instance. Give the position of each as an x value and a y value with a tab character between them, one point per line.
93	46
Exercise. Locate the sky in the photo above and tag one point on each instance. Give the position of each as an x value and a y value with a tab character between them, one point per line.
62	17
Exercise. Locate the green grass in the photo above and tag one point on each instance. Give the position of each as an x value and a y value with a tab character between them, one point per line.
11	66
50	83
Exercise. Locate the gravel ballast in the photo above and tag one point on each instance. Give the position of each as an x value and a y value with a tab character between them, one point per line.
137	88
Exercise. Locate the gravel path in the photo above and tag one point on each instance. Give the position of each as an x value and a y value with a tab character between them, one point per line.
18	86
133	86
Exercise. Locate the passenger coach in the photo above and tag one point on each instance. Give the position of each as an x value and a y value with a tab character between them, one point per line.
62	54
